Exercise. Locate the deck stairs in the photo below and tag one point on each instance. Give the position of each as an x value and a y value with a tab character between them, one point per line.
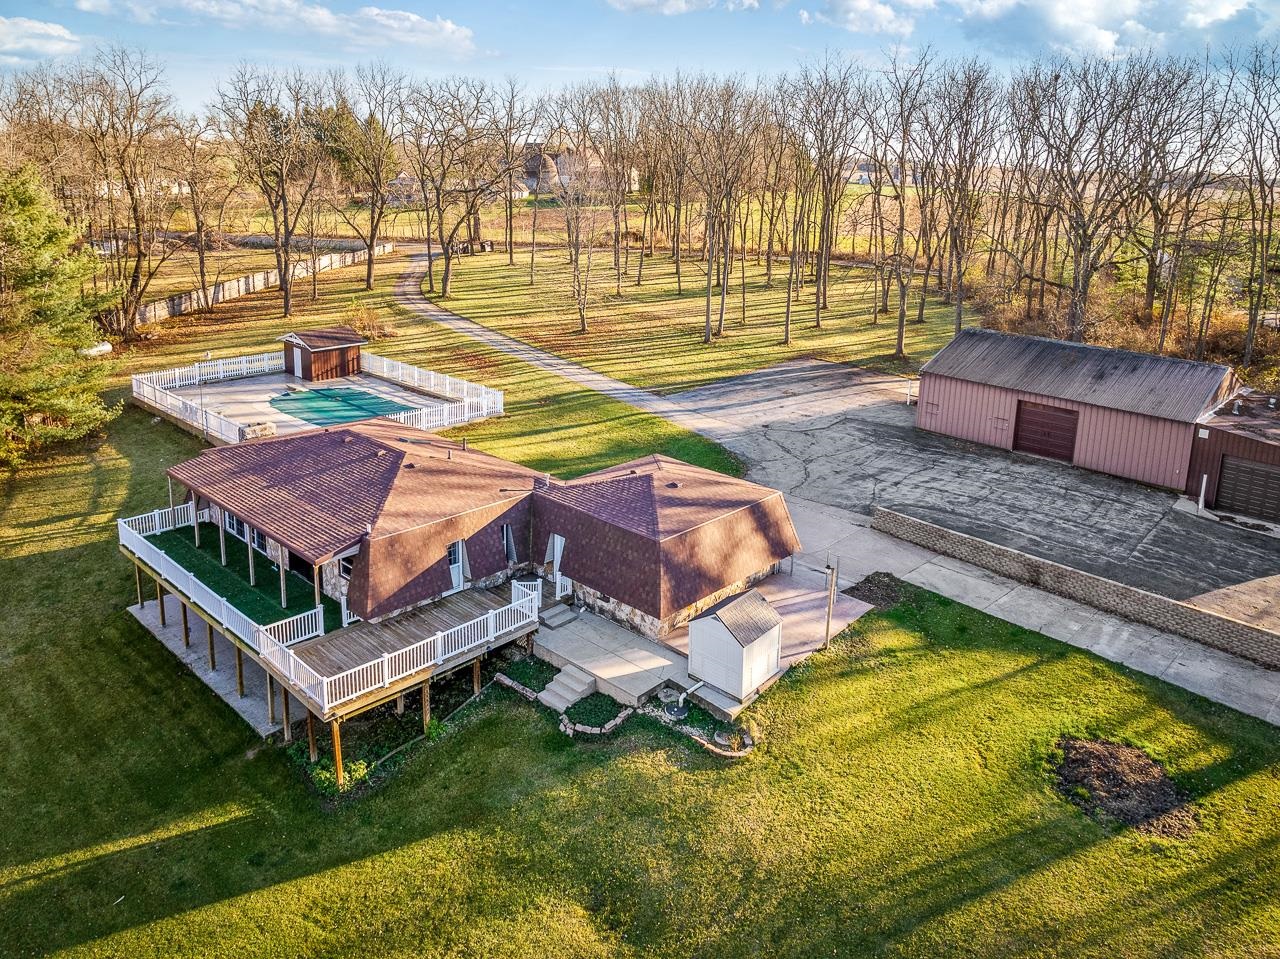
569	685
557	615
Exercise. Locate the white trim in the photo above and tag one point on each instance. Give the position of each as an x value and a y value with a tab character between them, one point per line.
292	338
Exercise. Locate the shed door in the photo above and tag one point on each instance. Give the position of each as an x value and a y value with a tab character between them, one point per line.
1248	487
1045	430
297	362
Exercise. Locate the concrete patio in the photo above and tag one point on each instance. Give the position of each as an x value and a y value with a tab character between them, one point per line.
630	668
247	401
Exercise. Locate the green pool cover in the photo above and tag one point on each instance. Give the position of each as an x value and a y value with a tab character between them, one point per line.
330	405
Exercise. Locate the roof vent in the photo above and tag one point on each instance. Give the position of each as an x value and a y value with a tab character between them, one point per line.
348	438
408	466
1271	403
1235	407
673	486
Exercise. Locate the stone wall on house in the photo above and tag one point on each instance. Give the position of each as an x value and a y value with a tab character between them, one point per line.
1170	615
332	583
650	626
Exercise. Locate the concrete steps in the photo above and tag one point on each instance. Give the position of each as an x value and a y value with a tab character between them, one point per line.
569	685
553	617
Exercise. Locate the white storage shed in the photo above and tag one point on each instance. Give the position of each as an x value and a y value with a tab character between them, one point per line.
736	645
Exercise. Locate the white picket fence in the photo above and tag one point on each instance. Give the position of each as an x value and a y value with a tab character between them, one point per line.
272	641
470	400
481	401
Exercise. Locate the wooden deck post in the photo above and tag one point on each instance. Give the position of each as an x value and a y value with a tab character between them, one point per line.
208	635
311	736
315	568
426	705
137	581
337	753
475	676
248	541
170	479
160	600
222	542
284	702
186	625
400	705
284	571
239	670
195	522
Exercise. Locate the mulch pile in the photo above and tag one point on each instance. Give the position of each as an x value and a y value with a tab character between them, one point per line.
1111	781
881	590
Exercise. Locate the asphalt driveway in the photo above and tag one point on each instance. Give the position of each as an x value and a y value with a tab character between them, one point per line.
845	437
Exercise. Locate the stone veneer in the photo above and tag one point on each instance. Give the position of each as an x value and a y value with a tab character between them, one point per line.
650	626
1169	615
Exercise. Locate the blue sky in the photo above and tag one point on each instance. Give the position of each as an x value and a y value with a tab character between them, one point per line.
547	43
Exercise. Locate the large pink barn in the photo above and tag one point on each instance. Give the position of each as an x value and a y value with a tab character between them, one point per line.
1128	414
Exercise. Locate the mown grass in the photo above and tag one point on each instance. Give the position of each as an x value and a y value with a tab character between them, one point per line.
180	273
653	338
897	805
551	425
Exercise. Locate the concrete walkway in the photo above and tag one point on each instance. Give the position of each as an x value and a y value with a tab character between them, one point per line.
828	531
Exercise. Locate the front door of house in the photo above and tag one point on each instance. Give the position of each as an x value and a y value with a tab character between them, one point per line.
297	362
455	566
556	549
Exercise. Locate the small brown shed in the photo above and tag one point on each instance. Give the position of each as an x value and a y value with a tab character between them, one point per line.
325	353
1115	411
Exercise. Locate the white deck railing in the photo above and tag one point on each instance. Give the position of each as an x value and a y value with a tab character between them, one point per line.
469	401
272	641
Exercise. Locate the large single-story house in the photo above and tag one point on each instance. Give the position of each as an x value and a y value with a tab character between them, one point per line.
1129	414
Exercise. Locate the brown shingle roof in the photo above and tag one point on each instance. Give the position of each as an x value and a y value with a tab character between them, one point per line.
1161	386
326	337
318	492
658	497
747	616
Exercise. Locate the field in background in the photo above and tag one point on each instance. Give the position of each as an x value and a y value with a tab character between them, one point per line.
652	338
180	273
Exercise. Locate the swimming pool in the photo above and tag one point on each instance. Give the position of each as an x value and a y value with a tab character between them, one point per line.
330	405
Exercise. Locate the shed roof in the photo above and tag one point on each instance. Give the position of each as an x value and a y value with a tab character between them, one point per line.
1162	386
747	616
326	337
320	491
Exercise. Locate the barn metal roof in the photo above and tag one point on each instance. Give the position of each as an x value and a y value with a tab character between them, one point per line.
1160	386
747	616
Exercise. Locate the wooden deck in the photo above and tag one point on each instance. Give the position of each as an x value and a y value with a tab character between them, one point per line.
345	649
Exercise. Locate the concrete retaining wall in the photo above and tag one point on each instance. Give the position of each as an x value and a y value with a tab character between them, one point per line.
1170	615
189	302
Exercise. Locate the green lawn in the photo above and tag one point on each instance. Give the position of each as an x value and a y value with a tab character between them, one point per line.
898	803
260	602
551	424
652	338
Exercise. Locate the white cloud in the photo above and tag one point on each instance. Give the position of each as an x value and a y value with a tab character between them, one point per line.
668	8
368	26
23	39
1107	27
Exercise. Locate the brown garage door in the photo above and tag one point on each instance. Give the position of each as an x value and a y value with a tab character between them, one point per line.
1045	430
1248	487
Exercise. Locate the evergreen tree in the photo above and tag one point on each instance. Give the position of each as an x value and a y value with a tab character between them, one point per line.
49	392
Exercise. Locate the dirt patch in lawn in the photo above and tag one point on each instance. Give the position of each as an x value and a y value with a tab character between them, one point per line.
881	590
1111	781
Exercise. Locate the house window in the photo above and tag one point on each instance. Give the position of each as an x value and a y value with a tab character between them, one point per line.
259	540
930	407
344	566
455	553
234	525
509	542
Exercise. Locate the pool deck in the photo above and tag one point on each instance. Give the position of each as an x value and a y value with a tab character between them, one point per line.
247	401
